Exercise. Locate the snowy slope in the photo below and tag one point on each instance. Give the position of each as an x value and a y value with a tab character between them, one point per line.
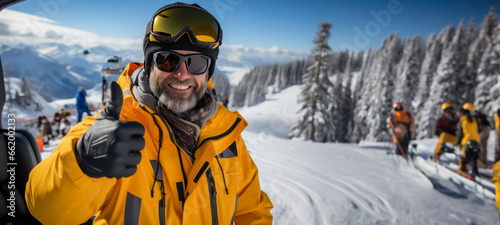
323	184
315	183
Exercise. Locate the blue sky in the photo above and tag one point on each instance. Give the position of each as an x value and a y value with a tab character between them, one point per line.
287	24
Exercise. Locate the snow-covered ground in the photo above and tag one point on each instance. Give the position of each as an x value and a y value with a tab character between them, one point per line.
323	184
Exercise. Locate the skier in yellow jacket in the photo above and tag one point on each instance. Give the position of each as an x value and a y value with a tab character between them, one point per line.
163	150
468	139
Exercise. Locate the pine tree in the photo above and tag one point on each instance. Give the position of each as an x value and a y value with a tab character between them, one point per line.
423	127
222	85
450	71
485	57
380	100
407	77
344	111
361	91
315	123
488	90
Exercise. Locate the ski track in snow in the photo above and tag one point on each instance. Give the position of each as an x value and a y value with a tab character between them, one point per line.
309	185
303	179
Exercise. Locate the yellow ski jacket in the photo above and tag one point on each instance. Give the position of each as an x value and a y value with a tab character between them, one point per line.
220	186
467	130
496	180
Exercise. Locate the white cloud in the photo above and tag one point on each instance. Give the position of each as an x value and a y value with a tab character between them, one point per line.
47	37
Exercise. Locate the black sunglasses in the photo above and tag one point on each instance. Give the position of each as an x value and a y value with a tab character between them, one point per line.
167	61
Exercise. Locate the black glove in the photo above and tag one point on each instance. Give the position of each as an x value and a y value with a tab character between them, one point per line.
437	132
111	147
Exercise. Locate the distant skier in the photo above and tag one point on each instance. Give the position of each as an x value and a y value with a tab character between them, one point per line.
57	119
401	126
44	129
468	139
81	104
225	101
65	124
497	138
446	128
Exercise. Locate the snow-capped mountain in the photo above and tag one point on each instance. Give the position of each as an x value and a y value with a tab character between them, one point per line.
51	56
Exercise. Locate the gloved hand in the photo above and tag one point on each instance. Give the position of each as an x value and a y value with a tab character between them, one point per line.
111	147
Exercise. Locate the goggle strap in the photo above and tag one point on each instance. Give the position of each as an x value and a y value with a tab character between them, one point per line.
190	34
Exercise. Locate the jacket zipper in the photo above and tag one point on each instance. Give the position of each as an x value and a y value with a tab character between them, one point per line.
213	197
161	204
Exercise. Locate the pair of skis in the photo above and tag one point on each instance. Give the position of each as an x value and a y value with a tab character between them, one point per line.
477	184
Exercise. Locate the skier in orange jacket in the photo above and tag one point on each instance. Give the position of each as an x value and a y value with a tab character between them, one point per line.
401	126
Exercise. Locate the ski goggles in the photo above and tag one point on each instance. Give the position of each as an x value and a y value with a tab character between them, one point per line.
169	24
167	61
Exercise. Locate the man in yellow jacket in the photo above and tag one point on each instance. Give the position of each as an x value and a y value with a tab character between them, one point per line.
468	129
163	150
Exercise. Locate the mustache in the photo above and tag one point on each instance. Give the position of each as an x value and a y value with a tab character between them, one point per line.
174	80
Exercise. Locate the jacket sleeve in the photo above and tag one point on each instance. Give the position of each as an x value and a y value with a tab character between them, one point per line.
460	133
497	123
58	192
496	180
254	206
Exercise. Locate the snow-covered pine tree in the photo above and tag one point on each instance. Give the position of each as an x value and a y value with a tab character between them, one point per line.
454	65
344	111
282	77
407	77
431	109
258	86
450	70
424	129
485	57
315	123
26	90
384	67
477	47
361	91
488	89
222	86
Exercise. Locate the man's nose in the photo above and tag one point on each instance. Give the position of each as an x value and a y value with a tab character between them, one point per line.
182	72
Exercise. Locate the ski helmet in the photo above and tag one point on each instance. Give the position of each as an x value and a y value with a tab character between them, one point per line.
469	107
180	26
446	105
397	106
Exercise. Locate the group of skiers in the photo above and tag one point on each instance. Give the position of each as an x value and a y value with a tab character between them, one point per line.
467	131
61	124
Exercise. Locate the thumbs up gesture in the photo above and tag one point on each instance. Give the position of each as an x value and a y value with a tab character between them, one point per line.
111	147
